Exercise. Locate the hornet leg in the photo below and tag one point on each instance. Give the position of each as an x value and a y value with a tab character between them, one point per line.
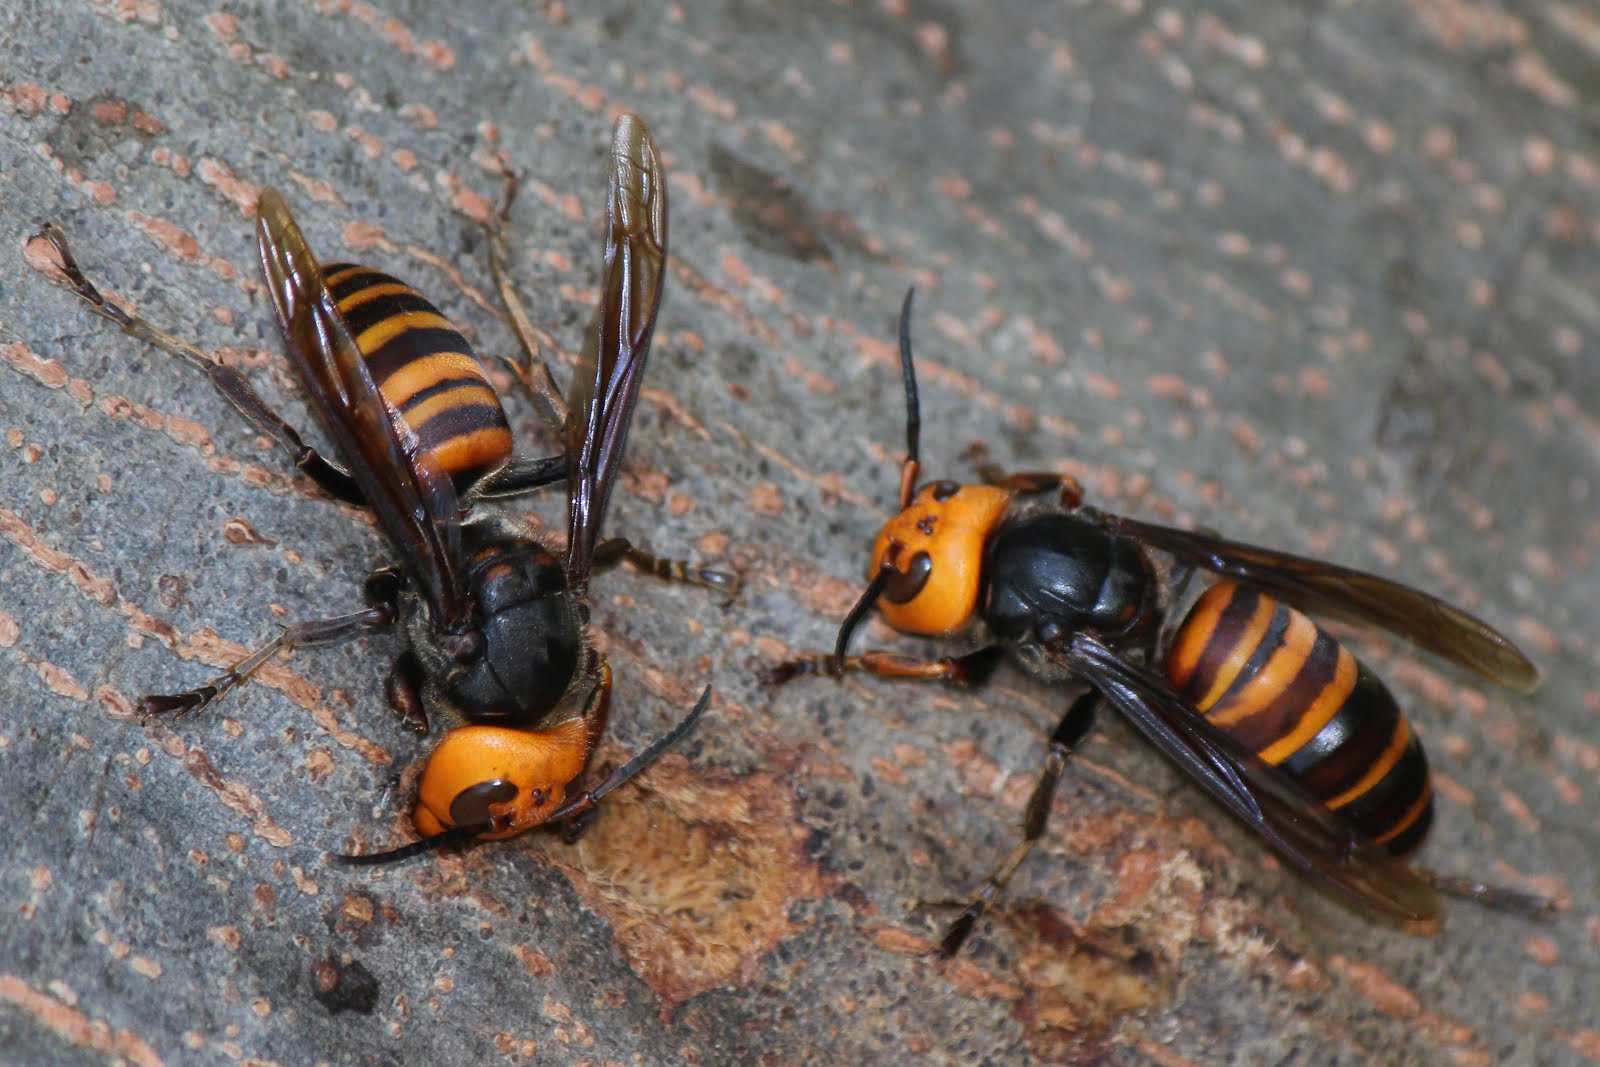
402	690
1074	725
1024	482
535	374
63	269
974	668
318	632
614	550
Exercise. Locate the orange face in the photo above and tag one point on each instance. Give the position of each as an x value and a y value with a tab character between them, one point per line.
935	547
516	778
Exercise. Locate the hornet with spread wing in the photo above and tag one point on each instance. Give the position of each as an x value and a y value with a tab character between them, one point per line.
495	618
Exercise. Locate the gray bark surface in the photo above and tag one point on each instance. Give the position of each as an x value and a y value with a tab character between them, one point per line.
1318	275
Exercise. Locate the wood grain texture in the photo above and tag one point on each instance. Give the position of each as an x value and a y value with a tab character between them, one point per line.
1320	276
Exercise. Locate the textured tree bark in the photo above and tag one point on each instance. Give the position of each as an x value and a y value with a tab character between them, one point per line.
1318	276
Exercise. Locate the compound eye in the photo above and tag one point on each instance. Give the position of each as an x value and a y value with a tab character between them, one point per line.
942	491
471	806
903	586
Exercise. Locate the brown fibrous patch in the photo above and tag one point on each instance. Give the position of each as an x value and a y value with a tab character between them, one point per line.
696	871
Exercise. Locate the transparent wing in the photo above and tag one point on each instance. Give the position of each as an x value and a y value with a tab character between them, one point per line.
415	502
1304	831
605	384
1353	596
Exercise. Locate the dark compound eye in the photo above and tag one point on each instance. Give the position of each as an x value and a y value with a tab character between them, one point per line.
943	491
905	585
471	806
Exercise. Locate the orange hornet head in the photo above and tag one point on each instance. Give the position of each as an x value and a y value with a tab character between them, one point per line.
508	780
927	562
932	554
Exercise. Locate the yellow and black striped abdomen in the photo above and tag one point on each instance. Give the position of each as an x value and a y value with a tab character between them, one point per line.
1279	684
425	370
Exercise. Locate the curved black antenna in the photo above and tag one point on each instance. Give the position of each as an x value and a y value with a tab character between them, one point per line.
908	372
908	482
454	836
586	800
870	597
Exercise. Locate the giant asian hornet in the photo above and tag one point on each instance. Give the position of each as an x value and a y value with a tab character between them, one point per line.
1256	702
494	617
